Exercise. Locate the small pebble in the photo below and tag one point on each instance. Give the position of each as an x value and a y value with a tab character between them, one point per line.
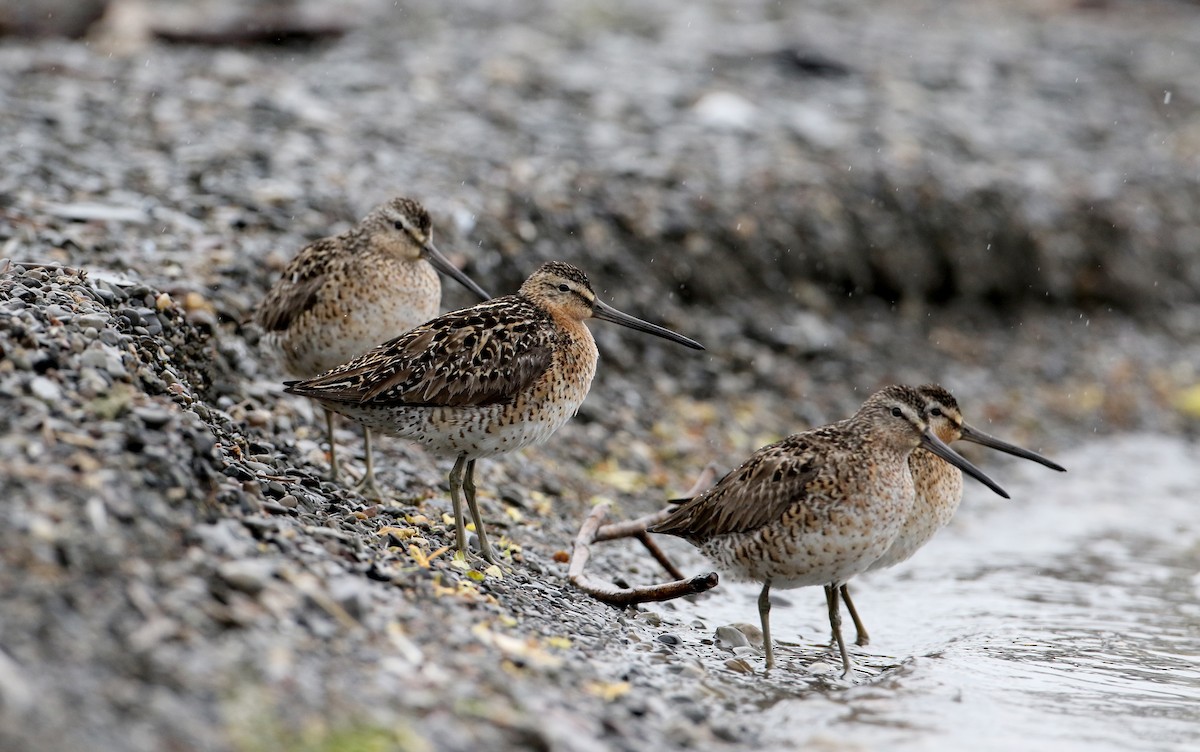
96	320
248	575
739	665
153	416
45	389
238	471
731	637
58	312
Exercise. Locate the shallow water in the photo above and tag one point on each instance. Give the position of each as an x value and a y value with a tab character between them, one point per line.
1066	618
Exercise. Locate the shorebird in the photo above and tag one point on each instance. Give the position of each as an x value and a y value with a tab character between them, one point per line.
484	380
939	486
818	507
342	295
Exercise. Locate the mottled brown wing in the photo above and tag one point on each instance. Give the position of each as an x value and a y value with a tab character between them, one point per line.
755	494
298	287
478	356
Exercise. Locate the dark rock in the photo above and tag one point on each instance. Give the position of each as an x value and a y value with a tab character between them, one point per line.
238	471
153	416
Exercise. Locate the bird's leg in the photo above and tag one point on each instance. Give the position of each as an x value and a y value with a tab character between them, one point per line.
367	486
460	525
333	465
764	616
469	487
862	638
835	623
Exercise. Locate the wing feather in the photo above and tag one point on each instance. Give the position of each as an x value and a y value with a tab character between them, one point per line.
298	288
478	356
755	494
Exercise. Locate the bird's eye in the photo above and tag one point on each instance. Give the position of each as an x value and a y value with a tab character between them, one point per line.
936	411
897	412
564	288
398	225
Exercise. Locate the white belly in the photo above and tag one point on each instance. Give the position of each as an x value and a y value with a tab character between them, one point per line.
473	432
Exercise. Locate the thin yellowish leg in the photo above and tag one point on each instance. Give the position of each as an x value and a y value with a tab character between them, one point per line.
835	623
333	463
367	486
469	487
764	617
460	524
862	637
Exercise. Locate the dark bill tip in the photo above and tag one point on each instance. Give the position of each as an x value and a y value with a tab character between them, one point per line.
941	449
979	437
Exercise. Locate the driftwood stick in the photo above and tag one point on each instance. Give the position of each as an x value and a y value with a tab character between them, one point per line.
631	528
618	596
637	528
659	555
593	532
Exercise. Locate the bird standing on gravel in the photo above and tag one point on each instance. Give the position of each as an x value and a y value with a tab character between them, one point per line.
818	507
342	295
484	380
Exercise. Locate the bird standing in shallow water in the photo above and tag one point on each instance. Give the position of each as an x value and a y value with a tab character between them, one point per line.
484	380
938	485
342	295
818	507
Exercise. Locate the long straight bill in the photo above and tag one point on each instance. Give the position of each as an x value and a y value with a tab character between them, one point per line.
608	313
987	440
940	448
443	265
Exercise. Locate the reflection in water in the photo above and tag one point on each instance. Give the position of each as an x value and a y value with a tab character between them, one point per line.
1064	619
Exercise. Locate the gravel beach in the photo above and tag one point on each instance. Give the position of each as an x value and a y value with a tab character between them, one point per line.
999	197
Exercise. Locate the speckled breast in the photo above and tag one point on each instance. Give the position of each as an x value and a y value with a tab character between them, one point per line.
828	541
939	489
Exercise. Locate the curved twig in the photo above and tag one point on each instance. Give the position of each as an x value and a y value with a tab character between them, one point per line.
618	596
592	532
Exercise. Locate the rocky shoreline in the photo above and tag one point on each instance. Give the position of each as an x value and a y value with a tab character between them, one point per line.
177	573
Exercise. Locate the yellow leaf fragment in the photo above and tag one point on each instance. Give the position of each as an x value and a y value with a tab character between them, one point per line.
540	503
423	559
607	691
626	481
1188	401
462	589
524	651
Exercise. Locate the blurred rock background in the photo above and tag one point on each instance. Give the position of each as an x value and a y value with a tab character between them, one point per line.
1000	196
